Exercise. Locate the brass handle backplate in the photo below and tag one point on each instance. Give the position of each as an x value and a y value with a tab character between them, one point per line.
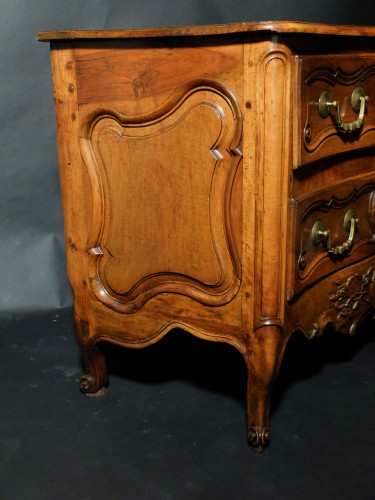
358	102
319	234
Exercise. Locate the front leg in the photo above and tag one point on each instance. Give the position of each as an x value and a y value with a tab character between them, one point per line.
95	379
266	349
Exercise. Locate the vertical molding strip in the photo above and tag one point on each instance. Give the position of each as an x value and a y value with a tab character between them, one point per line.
273	159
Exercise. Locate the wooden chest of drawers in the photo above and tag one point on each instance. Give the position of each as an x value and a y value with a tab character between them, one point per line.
218	179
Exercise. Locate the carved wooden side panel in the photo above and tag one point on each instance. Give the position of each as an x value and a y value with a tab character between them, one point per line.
162	187
274	84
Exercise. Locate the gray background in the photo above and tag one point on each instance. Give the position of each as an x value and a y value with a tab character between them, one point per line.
32	258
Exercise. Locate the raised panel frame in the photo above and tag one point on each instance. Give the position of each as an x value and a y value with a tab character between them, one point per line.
226	153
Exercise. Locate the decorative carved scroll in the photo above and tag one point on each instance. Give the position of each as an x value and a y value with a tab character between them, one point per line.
259	437
352	292
351	298
161	187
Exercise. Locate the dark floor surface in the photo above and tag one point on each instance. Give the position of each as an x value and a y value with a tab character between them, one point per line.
172	424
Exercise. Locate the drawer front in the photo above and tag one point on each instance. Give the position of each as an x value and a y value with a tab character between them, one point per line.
331	120
334	228
343	300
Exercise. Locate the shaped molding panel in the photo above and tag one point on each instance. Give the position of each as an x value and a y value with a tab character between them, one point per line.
162	187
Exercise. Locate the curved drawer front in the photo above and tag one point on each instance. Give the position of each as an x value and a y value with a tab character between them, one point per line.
337	106
343	300
334	229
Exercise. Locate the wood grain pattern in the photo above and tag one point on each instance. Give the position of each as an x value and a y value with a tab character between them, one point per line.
214	29
135	79
339	76
345	300
274	77
313	260
181	203
189	190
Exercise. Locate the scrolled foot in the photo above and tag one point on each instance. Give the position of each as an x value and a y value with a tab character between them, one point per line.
95	379
89	385
259	437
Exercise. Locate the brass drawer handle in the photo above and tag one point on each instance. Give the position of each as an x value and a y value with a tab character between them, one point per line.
358	101
319	234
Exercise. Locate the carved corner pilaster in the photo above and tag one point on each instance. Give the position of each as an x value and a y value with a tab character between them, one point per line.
273	162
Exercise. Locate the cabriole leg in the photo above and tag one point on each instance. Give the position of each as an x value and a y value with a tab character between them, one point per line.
96	377
263	363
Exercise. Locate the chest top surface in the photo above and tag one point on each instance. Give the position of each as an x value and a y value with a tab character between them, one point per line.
213	29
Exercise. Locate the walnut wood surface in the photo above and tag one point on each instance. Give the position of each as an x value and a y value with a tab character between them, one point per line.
212	29
190	189
339	75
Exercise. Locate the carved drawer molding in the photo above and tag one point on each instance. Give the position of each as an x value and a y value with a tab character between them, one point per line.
339	76
312	260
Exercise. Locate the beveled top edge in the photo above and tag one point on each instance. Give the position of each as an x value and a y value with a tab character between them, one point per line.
210	29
